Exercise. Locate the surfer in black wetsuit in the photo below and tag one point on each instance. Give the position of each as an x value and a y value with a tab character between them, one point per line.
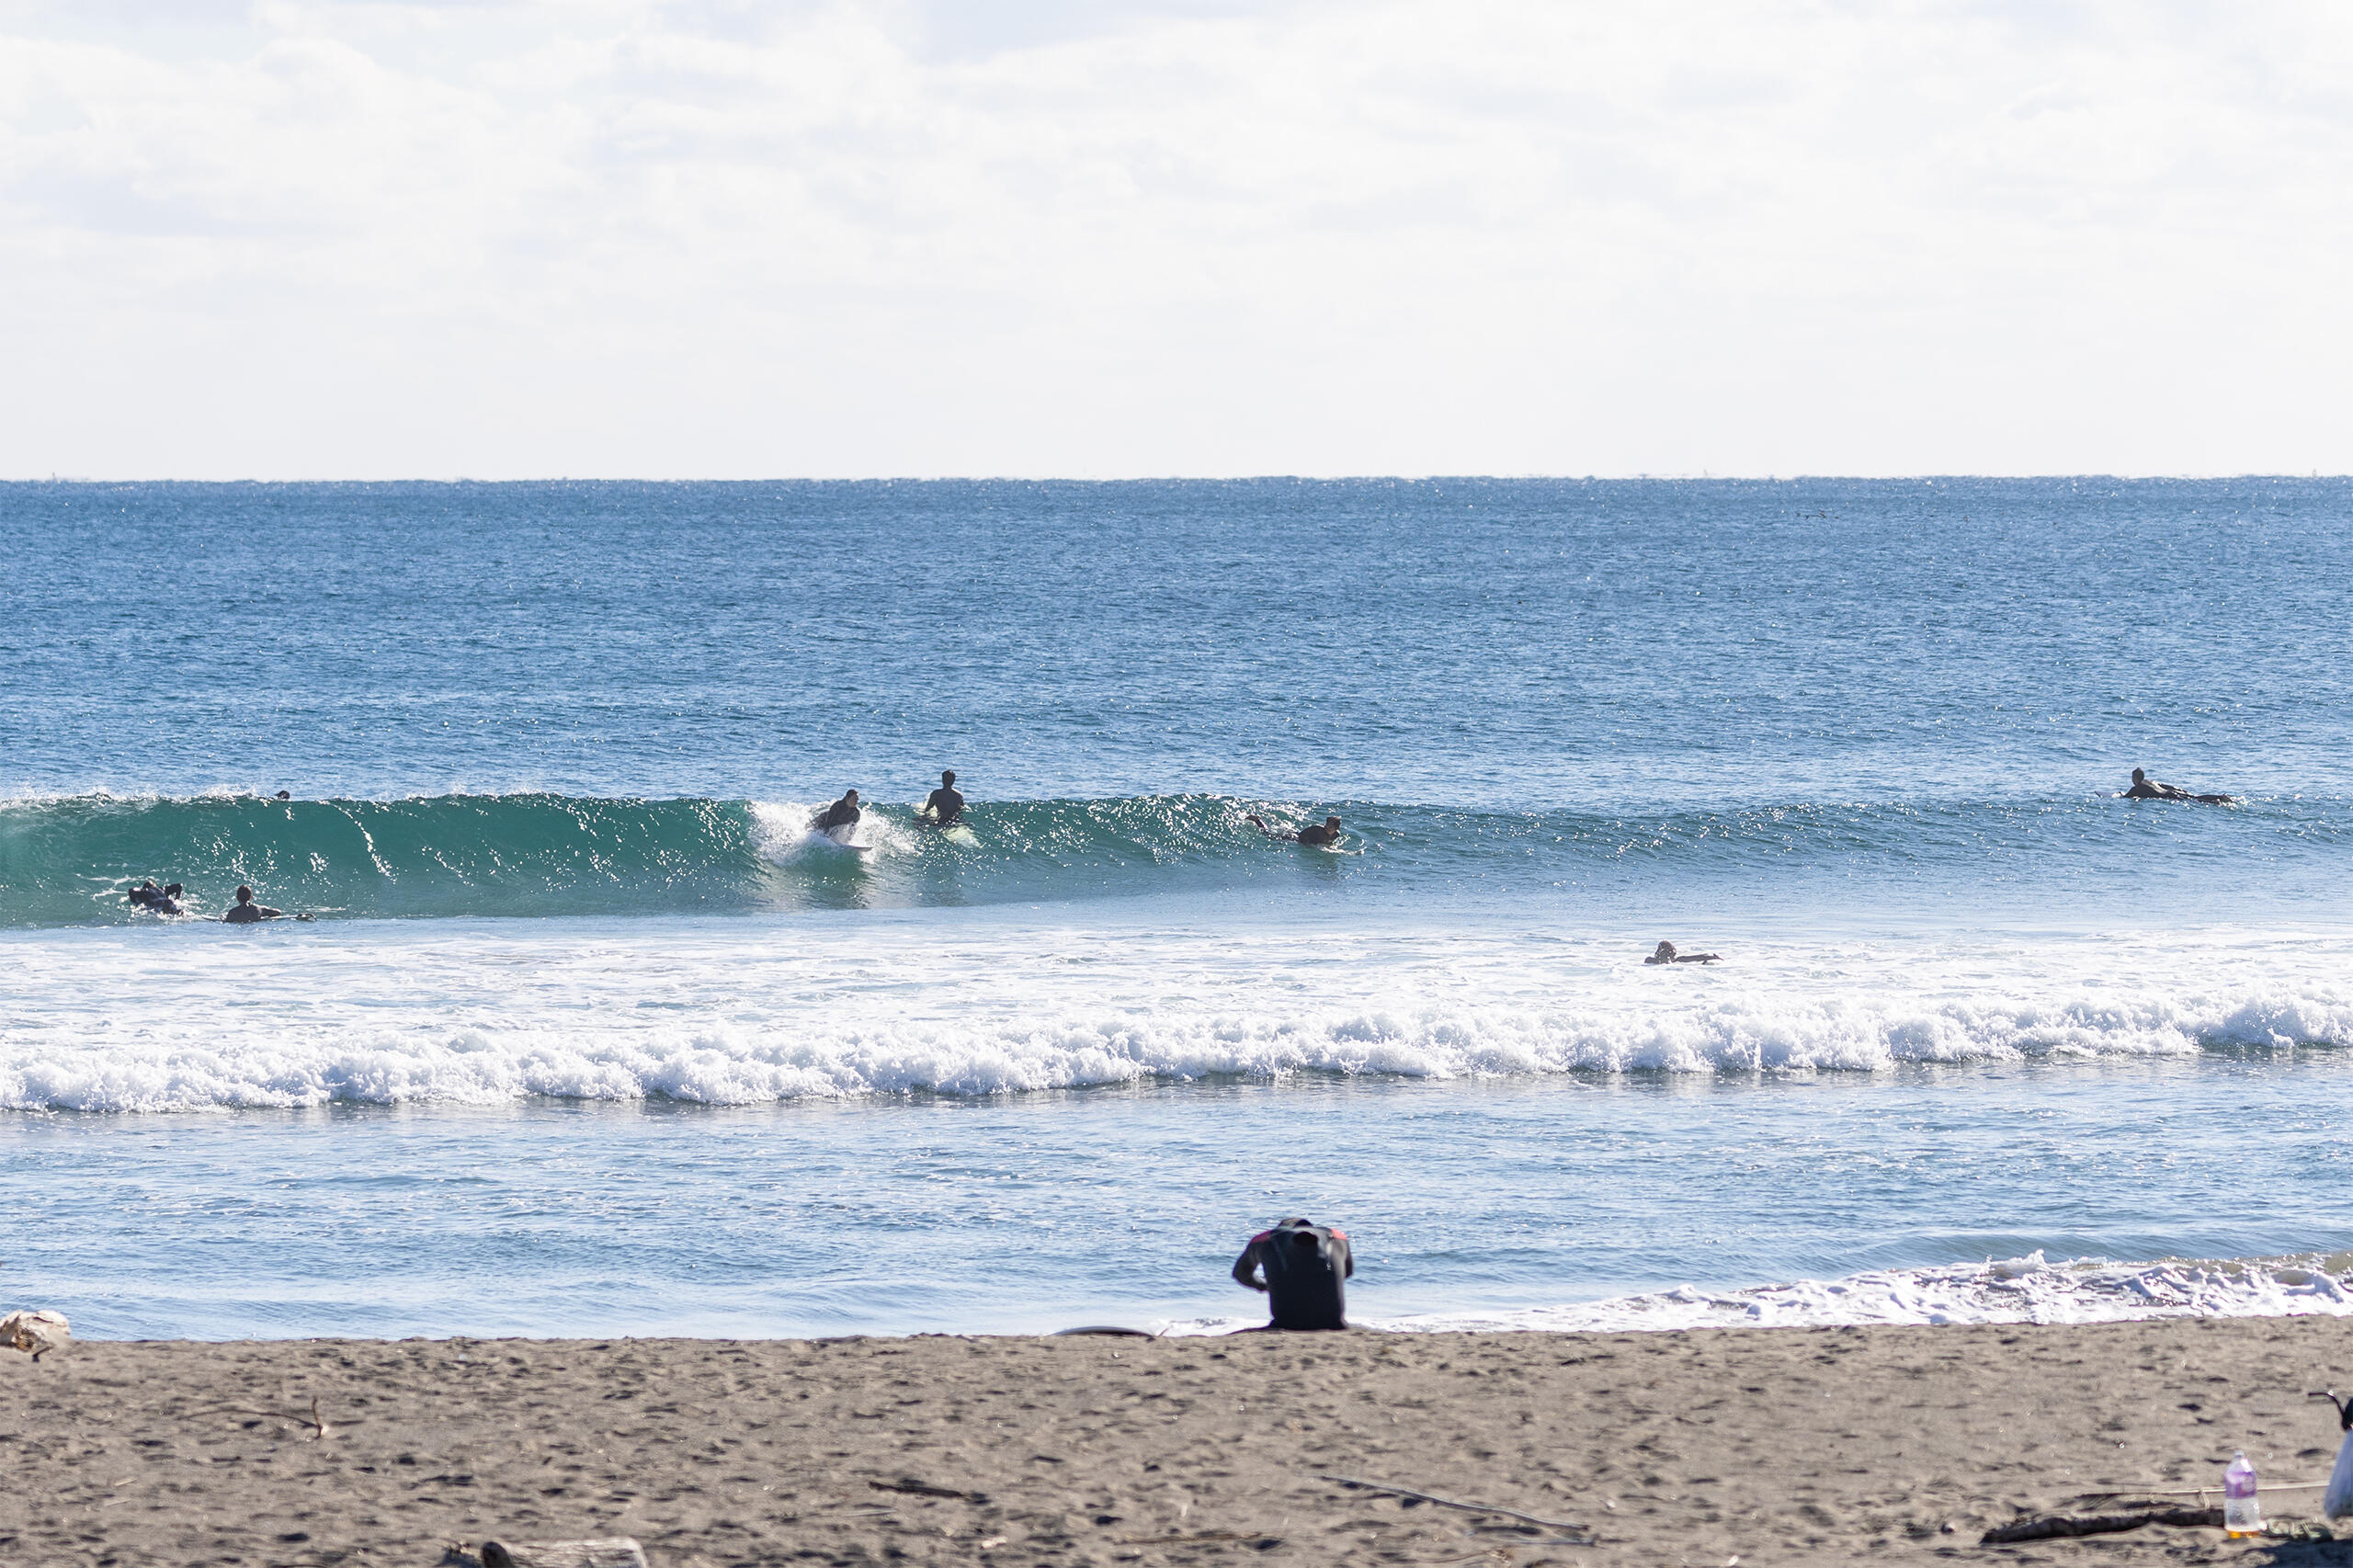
1311	835
1302	1263
1667	954
843	813
943	806
2147	789
246	912
163	901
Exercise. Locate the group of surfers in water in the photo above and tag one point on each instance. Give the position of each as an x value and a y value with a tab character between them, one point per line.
944	807
166	900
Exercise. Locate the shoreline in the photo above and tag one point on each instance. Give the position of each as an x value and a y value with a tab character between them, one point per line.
1774	1445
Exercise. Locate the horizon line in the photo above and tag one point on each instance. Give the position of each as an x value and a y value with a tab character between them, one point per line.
1702	476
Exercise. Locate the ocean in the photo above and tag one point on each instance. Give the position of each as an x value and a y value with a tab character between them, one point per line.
587	1037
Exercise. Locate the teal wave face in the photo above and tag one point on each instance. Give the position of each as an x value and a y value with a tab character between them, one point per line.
69	861
66	862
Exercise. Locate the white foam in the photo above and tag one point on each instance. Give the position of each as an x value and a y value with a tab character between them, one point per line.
2029	1289
753	1010
2012	1290
783	835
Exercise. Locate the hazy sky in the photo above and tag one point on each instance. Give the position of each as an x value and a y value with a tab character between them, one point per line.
720	238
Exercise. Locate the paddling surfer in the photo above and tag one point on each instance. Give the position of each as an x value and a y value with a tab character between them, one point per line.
1302	1265
843	813
163	901
1313	835
245	912
943	806
2147	789
1667	954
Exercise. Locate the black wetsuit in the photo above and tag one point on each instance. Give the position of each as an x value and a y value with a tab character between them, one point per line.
841	813
1316	836
2150	790
248	914
945	805
1303	1265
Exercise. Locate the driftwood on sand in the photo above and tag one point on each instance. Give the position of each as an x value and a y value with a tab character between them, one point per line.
2047	1527
37	1331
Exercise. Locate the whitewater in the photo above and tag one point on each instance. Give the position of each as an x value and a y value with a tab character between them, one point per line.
705	1011
583	1011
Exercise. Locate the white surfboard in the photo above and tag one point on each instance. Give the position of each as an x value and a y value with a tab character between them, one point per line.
838	841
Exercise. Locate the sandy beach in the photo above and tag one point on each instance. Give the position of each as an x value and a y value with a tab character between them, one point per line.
1768	1446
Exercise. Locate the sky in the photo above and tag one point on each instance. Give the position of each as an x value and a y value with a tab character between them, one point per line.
330	239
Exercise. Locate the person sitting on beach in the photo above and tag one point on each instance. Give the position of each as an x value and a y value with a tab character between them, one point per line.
1303	1264
843	813
2147	789
246	911
943	806
1314	838
1667	954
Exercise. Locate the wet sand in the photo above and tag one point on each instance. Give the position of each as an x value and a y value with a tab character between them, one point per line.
1771	1446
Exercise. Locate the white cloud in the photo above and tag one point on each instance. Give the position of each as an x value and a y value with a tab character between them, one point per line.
618	236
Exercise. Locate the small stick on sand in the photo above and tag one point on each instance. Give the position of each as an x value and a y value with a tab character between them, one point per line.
315	1421
1449	1503
915	1488
2195	1491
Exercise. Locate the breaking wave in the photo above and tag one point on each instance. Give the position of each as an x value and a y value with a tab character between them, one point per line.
66	860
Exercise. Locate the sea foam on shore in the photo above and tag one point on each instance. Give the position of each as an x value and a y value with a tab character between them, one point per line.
2020	1290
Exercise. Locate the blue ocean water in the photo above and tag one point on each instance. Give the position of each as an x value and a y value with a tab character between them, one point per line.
550	751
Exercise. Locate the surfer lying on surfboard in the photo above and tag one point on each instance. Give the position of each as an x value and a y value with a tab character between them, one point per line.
1667	954
843	813
1314	838
2147	789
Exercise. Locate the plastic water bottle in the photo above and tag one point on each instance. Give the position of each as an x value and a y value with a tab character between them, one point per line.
2240	1514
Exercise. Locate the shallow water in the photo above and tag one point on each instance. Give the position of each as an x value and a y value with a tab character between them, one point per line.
1049	1210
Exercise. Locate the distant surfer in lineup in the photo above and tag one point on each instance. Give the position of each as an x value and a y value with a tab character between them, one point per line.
245	912
1314	838
2147	789
943	806
1667	954
843	813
